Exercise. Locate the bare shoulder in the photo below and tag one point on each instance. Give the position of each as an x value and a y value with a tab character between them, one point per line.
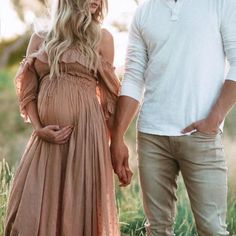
35	42
106	47
106	36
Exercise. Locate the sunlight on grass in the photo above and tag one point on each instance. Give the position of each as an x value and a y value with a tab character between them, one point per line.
129	204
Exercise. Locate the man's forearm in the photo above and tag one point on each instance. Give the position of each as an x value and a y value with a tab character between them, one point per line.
127	108
224	103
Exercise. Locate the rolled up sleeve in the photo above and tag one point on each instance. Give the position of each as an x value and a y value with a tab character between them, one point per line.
228	31
136	61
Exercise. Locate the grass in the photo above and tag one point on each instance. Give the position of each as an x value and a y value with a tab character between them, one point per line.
132	218
14	133
5	182
129	203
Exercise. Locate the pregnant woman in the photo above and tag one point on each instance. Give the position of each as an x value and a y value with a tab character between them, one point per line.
68	90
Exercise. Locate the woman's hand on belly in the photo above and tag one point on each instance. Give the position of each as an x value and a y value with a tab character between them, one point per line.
54	134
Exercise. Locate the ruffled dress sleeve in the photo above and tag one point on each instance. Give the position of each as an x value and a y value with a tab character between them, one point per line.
26	82
108	88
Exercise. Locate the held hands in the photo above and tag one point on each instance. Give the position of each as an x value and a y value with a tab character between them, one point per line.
54	134
120	163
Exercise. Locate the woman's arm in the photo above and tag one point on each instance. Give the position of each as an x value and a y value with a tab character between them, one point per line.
106	47
106	50
50	133
31	107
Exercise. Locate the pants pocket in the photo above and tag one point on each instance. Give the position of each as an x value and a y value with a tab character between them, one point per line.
204	135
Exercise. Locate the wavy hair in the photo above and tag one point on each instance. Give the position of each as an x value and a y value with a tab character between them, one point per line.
74	25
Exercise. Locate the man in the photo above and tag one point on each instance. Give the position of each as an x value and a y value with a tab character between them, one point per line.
176	68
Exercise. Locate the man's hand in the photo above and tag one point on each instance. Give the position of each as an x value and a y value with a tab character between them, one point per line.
120	162
219	111
126	109
54	134
210	126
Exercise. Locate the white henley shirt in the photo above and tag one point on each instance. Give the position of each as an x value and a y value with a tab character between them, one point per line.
176	60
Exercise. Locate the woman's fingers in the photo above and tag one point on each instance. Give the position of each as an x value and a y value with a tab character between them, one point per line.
63	134
63	138
57	135
63	141
53	127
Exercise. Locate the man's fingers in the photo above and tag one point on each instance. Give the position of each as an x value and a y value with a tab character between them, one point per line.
126	164
129	177
119	156
189	128
123	177
120	173
129	174
117	165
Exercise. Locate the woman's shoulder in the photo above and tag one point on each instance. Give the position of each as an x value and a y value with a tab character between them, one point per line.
106	35
106	48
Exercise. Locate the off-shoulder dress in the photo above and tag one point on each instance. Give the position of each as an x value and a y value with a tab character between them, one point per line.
65	190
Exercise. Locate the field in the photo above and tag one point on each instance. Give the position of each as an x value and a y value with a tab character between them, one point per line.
13	138
131	216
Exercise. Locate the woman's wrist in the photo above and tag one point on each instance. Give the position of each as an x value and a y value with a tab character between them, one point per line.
37	130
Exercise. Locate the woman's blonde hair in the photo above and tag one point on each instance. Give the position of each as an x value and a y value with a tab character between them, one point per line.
74	25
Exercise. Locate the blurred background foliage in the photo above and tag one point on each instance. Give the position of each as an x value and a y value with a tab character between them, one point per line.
14	135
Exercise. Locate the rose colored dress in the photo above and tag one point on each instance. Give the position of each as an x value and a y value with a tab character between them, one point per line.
65	190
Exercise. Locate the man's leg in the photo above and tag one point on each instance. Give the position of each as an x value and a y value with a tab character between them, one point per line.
158	174
204	171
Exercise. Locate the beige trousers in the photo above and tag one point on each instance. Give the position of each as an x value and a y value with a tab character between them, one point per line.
200	158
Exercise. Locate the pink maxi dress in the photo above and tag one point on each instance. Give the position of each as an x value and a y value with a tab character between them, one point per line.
65	190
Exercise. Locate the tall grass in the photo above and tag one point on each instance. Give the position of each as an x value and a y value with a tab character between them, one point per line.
132	218
13	132
129	203
5	181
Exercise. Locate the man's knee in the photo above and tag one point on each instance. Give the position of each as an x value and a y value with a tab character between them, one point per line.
213	228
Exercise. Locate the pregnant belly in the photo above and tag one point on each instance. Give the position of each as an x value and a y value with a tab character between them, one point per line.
64	102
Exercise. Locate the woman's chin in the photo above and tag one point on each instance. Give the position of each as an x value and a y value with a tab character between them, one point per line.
93	11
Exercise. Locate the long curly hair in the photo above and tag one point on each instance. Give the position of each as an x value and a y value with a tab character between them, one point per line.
73	24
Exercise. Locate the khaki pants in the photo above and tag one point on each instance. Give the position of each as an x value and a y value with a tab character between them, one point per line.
200	158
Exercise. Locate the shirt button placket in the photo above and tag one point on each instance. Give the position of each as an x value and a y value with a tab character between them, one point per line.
174	14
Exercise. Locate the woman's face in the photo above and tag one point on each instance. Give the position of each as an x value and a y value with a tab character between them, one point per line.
94	5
